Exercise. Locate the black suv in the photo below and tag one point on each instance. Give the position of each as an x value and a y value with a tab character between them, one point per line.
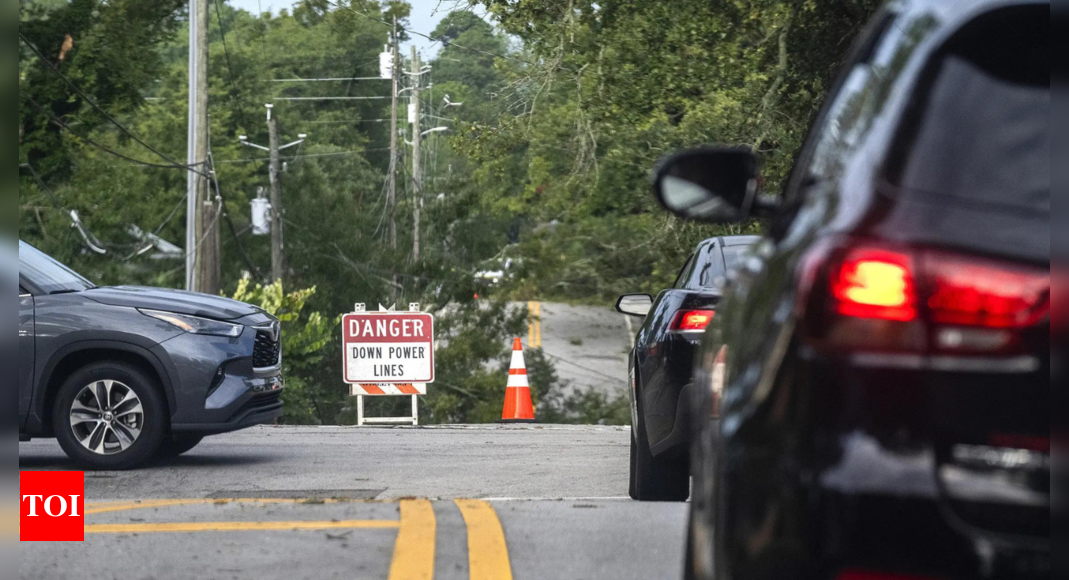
120	375
886	353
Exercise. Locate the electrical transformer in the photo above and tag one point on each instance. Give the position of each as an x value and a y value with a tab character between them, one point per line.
261	216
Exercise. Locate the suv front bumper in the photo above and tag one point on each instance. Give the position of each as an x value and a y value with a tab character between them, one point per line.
216	388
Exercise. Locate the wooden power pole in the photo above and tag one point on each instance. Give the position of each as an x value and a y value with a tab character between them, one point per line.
391	193
417	143
277	261
210	263
197	153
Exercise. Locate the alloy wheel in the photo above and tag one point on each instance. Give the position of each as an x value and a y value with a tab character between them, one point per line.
107	417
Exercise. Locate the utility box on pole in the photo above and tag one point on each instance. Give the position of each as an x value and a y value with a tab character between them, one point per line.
386	64
261	214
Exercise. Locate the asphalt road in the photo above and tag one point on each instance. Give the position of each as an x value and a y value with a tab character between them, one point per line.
587	344
448	503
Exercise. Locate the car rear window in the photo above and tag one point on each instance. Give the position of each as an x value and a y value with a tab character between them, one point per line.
733	255
980	128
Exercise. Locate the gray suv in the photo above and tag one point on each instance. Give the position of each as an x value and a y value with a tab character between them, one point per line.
121	375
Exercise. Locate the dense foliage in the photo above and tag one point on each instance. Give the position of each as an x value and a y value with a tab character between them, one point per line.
567	106
618	85
305	337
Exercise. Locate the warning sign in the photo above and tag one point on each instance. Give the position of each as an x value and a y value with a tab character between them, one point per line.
388	347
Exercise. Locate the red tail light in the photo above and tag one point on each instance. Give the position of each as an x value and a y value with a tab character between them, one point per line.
692	320
978	293
865	296
875	284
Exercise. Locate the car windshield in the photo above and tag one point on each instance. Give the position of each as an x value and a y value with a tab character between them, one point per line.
47	274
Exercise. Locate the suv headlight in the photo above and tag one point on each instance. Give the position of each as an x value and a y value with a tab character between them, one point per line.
196	325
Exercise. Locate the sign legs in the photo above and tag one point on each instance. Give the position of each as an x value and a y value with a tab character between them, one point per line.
362	421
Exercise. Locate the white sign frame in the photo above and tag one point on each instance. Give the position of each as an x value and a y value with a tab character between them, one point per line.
378	387
422	343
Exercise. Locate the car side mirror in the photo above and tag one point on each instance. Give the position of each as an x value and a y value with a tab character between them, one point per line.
714	185
634	304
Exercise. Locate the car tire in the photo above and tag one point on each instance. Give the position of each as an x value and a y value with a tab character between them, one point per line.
665	478
171	447
124	431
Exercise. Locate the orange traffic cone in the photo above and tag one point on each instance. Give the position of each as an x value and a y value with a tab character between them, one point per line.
518	407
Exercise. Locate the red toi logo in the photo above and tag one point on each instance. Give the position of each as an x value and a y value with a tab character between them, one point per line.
53	506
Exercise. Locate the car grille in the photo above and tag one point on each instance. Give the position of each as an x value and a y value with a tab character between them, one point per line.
268	349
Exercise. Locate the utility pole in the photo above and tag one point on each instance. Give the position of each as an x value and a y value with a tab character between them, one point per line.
211	270
392	192
278	262
417	142
276	199
197	149
391	195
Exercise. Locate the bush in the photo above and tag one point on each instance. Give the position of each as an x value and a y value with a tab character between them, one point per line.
304	345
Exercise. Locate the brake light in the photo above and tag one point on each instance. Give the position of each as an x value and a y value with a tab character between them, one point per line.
972	293
867	296
875	284
693	320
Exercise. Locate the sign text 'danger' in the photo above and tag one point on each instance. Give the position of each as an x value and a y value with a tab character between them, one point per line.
388	347
387	327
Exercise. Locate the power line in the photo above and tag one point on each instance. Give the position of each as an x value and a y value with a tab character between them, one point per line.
59	123
327	80
94	104
41	184
55	202
91	241
346	122
308	156
330	98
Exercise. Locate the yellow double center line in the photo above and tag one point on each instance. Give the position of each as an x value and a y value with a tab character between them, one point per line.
488	555
414	550
534	327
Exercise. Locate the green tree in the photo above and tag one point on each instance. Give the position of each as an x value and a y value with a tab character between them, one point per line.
613	86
